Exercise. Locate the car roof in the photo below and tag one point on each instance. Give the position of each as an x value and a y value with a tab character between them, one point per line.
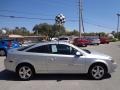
51	42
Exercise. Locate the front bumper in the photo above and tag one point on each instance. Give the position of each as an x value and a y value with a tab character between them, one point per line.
112	67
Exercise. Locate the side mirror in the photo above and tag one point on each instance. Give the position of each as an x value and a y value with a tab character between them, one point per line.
78	54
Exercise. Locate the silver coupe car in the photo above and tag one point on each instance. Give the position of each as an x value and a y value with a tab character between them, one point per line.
57	58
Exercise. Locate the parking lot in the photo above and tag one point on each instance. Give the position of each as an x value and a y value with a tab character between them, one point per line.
9	81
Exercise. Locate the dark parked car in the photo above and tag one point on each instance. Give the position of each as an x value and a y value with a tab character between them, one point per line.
81	42
6	44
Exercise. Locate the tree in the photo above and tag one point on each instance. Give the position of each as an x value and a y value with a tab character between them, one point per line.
35	29
58	30
101	34
48	30
43	29
24	31
113	32
20	31
75	32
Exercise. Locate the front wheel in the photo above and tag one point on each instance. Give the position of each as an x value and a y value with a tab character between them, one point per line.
84	45
97	72
25	72
98	44
107	42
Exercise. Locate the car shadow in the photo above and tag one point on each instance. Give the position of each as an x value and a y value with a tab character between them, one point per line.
10	76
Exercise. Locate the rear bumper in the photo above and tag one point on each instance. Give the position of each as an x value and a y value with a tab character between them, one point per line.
95	42
9	65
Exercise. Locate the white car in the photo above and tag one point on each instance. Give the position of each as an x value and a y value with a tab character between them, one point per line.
54	39
57	57
64	39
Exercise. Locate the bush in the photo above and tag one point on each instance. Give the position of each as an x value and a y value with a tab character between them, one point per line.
113	39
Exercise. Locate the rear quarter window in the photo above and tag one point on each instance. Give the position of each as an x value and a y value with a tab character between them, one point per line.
41	49
26	47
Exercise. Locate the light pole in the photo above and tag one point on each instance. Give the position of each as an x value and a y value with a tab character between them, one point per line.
118	15
81	26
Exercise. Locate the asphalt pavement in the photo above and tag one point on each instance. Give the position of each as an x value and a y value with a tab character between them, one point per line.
9	81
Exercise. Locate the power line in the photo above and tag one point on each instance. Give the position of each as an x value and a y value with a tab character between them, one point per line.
24	17
101	26
70	20
62	3
21	12
98	25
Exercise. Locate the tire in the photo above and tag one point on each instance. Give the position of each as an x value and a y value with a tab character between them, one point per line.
85	45
2	52
97	71
25	72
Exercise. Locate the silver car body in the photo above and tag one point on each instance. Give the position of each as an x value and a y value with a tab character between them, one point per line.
57	63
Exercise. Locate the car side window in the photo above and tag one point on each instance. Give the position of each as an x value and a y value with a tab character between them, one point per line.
63	49
41	49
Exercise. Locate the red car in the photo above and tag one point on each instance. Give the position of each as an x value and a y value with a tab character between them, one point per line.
81	42
104	40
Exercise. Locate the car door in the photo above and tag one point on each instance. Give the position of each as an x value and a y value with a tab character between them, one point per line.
64	60
39	56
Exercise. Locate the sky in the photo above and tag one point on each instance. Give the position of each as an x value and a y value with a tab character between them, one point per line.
98	15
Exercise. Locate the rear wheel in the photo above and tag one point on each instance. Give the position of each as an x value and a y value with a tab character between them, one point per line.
25	72
85	45
97	43
107	42
97	71
2	52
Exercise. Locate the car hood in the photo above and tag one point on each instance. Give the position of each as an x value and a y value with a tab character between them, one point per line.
98	55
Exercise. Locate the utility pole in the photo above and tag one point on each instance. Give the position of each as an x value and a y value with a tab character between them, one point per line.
80	18
118	24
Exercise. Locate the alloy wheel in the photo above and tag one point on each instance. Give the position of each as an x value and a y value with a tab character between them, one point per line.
2	52
25	72
98	72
